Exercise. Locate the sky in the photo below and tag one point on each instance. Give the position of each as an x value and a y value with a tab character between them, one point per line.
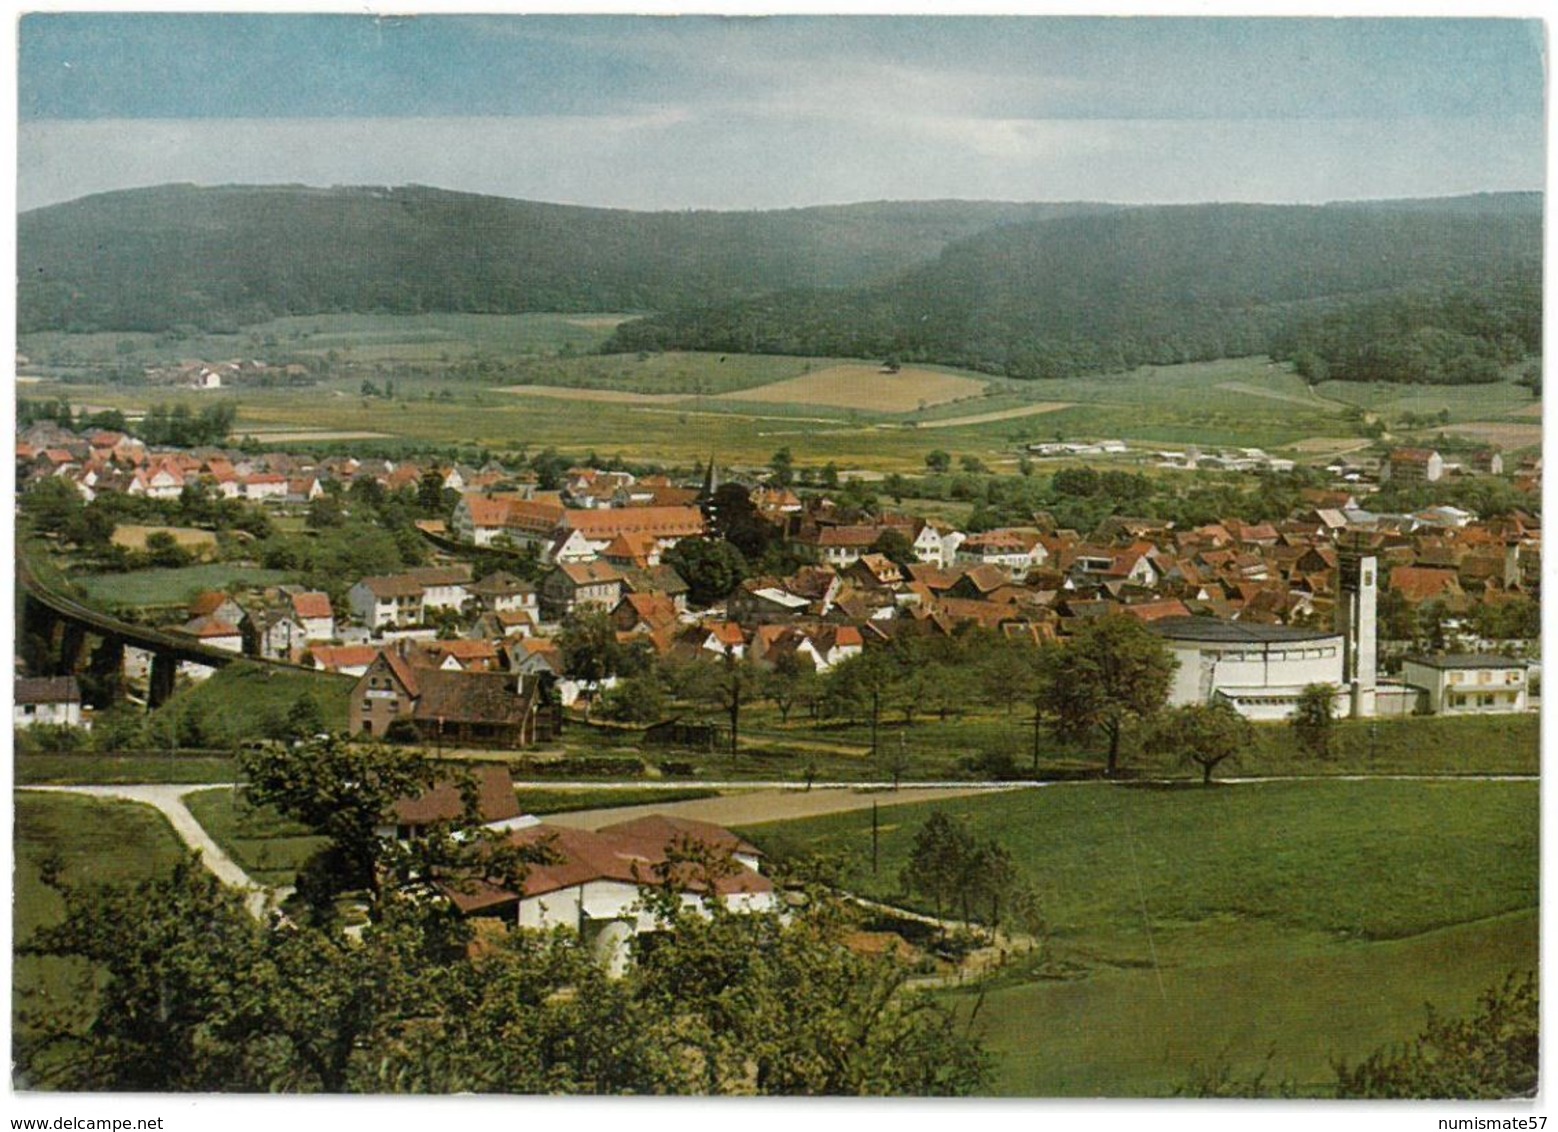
720	112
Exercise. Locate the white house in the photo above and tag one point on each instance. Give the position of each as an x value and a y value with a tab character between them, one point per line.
49	700
1259	669
937	544
311	609
593	885
1014	549
392	599
1468	683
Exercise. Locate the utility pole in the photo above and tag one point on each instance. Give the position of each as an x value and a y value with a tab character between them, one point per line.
875	835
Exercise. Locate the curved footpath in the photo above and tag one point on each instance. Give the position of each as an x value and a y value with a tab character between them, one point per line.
169	801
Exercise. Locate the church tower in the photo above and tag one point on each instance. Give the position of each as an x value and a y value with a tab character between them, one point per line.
1357	620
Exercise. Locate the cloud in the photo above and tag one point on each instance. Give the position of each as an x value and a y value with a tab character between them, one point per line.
688	156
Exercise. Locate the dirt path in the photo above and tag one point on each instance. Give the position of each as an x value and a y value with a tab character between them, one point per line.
754	807
998	415
169	801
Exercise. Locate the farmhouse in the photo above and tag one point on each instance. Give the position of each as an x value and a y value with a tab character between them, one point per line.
484	709
491	790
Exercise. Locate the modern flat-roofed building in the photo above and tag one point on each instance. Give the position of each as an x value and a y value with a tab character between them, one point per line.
1468	683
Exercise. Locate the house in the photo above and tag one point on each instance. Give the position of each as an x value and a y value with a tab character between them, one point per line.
481	709
572	585
214	603
311	609
215	633
509	519
1468	683
53	700
264	486
391	599
349	660
1413	465
1014	549
592	882
663	527
272	632
502	592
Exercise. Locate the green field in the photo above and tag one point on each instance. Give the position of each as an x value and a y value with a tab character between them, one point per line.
171	587
104	770
95	842
466	361
1196	924
267	846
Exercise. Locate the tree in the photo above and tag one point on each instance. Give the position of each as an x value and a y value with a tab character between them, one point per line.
342	790
782	464
938	461
862	683
1204	734
937	860
894	545
1313	721
788	682
711	569
590	649
1113	674
163	549
1495	1054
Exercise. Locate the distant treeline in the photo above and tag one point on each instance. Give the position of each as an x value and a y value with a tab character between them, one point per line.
1162	286
219	258
1402	291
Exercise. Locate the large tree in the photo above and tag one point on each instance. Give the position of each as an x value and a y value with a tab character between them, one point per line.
1206	735
1114	673
711	568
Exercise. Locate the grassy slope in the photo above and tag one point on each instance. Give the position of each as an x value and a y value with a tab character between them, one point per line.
239	698
97	842
1313	917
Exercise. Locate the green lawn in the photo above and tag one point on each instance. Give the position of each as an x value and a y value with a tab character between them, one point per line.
266	845
171	587
35	769
1315	915
94	841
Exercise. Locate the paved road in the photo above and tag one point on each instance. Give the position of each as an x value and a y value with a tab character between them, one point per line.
169	801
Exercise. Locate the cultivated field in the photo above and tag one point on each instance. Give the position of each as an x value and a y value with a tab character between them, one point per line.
132	536
305	435
998	415
866	387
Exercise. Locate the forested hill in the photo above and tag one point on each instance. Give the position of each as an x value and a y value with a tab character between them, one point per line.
147	259
1159	285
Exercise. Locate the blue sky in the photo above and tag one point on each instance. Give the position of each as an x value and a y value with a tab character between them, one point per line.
773	112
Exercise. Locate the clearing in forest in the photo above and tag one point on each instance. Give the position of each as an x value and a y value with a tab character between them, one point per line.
865	387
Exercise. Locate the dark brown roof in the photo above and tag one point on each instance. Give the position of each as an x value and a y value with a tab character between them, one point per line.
445	801
47	690
470	697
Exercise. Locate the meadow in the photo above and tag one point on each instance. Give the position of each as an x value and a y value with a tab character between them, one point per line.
266	845
1189	927
497	382
90	841
166	587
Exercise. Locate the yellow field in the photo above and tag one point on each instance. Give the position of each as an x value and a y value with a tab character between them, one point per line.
865	387
283	435
132	536
1000	415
